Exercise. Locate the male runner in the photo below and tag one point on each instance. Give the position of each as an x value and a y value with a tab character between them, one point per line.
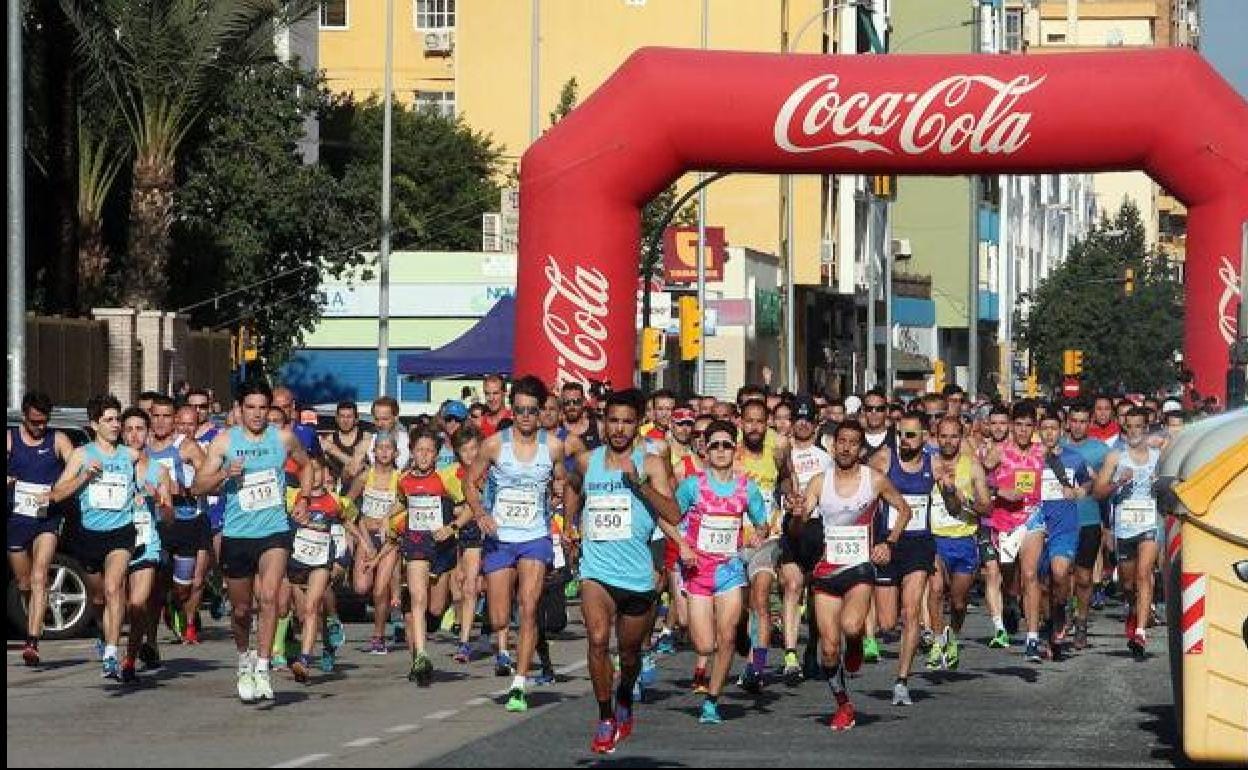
494	387
346	449
1091	530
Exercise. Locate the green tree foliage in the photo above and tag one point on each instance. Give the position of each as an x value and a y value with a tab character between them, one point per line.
443	173
252	217
567	101
1128	341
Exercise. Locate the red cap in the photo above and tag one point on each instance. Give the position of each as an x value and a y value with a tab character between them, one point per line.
683	414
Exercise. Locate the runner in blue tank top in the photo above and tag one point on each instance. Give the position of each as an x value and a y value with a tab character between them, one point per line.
909	468
623	489
36	457
521	463
103	476
188	538
249	460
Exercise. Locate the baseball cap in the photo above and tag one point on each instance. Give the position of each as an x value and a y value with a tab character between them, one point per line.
455	410
804	408
1171	406
308	417
683	414
853	405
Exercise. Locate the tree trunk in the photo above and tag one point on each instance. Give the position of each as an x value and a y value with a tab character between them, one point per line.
62	110
151	214
92	263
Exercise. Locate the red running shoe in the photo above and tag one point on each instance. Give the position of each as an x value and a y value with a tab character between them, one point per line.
604	737
623	724
843	719
1131	624
853	655
30	654
191	635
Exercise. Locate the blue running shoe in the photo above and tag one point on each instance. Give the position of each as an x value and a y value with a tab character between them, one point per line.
335	634
649	671
502	665
110	669
1032	652
327	662
710	714
666	644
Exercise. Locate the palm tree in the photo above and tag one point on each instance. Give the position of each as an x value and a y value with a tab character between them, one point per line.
99	164
162	63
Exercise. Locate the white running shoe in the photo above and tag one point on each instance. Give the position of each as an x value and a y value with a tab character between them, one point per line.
901	695
264	685
246	687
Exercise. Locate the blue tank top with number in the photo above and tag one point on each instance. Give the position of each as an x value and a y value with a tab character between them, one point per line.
517	494
255	503
151	553
107	502
184	506
615	552
33	464
916	487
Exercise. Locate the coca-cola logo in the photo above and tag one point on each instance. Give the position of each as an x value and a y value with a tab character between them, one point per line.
818	111
579	344
1228	324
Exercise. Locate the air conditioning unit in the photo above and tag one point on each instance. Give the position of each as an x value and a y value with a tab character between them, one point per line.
902	248
827	251
439	40
491	232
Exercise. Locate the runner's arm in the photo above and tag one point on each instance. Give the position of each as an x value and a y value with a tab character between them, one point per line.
215	469
72	478
1105	487
657	491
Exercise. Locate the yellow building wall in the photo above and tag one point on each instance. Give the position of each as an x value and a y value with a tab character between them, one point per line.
490	68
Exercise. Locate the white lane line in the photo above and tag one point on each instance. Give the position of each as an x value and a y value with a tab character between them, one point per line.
304	760
477	701
402	728
440	715
361	742
568	669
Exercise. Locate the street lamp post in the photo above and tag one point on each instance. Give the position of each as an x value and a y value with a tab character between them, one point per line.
17	213
383	255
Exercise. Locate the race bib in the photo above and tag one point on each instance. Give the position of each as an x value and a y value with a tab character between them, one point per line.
377	505
109	492
311	547
142	527
847	546
609	517
259	491
424	513
1136	516
1051	490
1025	482
806	465
339	534
27	497
918	513
939	511
516	507
719	535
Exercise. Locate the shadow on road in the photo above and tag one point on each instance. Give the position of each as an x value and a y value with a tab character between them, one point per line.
1161	721
1026	674
641	761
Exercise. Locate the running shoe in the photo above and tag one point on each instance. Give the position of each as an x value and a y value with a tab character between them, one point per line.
377	646
327	662
649	670
951	653
604	737
1000	640
502	665
149	656
463	653
110	669
710	714
246	686
927	638
901	695
1137	643
623	723
30	653
191	637
750	681
870	649
936	657
854	653
301	668
422	670
844	717
792	670
572	589
1032	651
264	685
701	685
666	644
517	702
128	674
1098	598
178	624
1081	635
335	634
277	662
545	677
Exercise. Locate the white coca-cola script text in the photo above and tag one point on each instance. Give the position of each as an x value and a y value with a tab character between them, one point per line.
579	343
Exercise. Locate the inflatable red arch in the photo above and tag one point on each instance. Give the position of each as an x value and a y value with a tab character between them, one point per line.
668	111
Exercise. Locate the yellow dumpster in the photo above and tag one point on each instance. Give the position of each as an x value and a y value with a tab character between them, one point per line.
1203	490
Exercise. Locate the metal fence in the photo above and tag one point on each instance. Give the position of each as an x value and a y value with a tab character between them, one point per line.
67	358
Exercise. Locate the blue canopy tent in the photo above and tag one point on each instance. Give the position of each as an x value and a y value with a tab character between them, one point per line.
486	348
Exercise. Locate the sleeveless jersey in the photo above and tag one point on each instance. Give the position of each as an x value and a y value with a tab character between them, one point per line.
255	503
846	524
1020	469
713	523
36	469
518	491
107	502
916	488
1135	508
947	522
376	505
616	526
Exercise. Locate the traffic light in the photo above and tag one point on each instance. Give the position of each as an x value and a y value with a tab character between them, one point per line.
1033	385
884	186
248	351
1072	363
938	375
651	348
1128	281
690	328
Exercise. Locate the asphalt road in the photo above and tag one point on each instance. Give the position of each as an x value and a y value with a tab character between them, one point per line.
1098	708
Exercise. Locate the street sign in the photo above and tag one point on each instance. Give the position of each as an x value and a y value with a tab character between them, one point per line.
1070	387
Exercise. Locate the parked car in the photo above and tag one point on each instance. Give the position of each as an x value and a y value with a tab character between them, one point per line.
68	614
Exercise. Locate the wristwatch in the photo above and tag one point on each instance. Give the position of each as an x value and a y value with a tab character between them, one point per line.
455	527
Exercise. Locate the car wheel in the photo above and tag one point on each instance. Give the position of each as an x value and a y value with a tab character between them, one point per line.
67	616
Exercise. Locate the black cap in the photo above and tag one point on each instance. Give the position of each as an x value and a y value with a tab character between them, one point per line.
804	408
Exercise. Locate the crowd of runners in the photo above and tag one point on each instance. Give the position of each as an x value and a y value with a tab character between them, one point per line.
721	525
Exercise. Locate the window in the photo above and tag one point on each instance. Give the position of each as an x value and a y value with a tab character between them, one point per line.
441	102
333	14
435	14
1013	30
1055	37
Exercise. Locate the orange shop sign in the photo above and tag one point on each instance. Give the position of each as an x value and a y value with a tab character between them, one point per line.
680	254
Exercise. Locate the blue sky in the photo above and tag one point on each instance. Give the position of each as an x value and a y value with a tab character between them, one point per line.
1223	32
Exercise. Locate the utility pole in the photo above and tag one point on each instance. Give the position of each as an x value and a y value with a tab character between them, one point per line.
535	71
17	213
972	299
383	256
700	375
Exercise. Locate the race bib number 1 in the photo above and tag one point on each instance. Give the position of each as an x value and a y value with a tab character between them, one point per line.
109	492
609	517
718	535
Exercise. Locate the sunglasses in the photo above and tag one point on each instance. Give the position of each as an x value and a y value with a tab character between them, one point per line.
722	444
573	401
450	417
880	408
526	411
909	433
684	423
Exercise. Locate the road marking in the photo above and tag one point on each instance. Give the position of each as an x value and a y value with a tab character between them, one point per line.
478	701
568	669
360	742
440	715
402	728
304	760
